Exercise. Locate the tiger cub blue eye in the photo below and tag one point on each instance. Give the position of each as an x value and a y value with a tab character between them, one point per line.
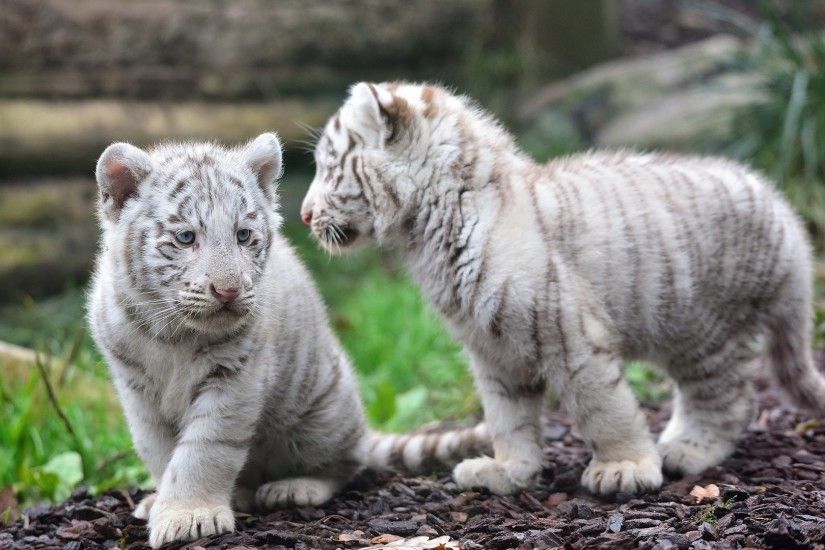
185	237
243	235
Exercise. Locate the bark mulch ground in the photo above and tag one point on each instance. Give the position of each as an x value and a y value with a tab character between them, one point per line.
771	495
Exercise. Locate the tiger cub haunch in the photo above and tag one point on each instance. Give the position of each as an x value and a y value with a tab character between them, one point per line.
556	273
234	387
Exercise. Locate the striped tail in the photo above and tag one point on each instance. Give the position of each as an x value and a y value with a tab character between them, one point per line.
793	367
414	453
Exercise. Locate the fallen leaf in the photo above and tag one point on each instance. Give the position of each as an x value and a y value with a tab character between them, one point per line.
762	423
708	492
386	538
440	543
555	499
808	425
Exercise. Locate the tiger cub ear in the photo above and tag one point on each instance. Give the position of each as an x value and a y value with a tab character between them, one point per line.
119	172
378	112
263	156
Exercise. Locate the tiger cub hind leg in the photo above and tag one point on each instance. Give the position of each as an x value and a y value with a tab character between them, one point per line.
145	506
713	404
296	491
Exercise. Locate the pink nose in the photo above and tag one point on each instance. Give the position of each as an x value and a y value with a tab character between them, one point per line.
224	295
306	217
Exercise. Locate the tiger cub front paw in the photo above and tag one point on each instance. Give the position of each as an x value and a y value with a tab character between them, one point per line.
171	521
626	476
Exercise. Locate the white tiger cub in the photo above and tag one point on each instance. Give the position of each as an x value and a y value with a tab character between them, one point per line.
234	387
555	273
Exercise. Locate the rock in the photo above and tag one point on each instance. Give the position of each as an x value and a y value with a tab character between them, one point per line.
688	119
680	99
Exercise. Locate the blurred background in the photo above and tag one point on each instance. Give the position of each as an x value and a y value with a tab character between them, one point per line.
732	77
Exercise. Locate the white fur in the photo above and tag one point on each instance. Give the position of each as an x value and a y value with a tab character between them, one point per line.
557	273
253	401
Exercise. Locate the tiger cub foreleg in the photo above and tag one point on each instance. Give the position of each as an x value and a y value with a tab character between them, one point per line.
193	496
597	395
512	411
154	438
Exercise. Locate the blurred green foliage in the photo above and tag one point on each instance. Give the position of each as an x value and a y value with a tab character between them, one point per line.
785	133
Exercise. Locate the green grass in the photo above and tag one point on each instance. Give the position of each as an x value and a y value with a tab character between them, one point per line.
43	456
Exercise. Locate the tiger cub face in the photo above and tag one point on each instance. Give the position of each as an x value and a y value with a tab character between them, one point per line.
188	227
369	159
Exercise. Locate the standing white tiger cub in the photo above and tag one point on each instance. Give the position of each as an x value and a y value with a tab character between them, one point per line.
556	273
234	387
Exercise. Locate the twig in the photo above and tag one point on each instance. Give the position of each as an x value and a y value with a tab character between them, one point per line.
128	498
53	398
75	349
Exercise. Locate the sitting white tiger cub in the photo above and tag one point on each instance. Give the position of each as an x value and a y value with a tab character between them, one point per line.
556	273
233	384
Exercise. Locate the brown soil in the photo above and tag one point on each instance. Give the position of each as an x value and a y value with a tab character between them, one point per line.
771	495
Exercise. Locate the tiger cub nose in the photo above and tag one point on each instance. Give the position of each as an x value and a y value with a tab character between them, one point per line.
306	216
224	295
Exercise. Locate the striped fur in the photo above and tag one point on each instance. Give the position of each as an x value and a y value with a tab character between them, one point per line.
556	273
253	402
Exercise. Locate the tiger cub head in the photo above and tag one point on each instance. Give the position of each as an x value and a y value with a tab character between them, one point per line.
187	229
373	156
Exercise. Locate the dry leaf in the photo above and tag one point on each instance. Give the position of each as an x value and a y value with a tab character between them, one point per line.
347	537
812	424
555	499
708	492
439	543
386	538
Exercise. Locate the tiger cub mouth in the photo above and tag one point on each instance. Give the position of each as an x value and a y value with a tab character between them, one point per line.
338	235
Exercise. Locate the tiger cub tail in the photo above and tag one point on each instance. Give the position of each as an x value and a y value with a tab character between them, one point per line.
420	452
